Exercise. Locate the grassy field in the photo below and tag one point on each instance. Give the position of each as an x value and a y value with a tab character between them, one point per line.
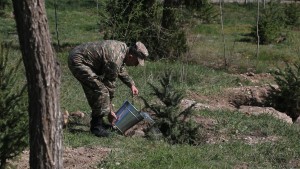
231	149
277	143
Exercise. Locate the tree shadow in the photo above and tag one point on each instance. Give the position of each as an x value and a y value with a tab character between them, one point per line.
247	37
64	46
78	127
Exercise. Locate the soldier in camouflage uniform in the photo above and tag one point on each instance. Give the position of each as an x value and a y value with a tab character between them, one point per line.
97	65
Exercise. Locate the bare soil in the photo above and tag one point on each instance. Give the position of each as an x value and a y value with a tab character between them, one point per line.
73	158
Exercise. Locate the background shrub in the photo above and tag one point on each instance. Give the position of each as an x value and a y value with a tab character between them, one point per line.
142	20
4	3
271	23
14	117
287	97
202	10
292	12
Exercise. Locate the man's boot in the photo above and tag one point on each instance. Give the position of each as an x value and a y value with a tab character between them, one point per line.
97	127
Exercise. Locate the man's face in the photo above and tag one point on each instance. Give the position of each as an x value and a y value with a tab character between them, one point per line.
132	60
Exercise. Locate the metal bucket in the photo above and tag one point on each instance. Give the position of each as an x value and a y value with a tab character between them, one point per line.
127	116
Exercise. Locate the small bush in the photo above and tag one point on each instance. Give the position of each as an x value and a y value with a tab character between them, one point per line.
4	3
142	21
203	10
292	12
13	122
287	97
176	125
271	23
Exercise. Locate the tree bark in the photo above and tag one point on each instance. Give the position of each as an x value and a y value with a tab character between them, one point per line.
257	30
223	35
43	77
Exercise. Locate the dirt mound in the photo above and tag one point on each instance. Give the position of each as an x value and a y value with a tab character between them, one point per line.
247	99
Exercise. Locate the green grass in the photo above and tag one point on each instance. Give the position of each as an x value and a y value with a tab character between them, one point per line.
141	153
240	50
74	27
77	23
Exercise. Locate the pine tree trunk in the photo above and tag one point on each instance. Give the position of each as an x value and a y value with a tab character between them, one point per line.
43	77
257	30
223	35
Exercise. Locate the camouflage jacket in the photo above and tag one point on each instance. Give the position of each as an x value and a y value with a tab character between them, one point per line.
105	58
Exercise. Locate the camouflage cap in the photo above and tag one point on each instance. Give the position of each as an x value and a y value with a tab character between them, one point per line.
142	52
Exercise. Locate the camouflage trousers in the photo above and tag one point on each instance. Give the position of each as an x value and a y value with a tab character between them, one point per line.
97	93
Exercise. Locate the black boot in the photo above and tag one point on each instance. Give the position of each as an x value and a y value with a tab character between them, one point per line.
97	127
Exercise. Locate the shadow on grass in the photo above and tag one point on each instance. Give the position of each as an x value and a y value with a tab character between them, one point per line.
77	127
64	46
247	37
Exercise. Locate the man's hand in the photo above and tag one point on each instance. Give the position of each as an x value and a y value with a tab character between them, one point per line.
112	118
134	90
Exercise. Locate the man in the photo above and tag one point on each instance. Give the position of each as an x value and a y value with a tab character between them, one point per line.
97	65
